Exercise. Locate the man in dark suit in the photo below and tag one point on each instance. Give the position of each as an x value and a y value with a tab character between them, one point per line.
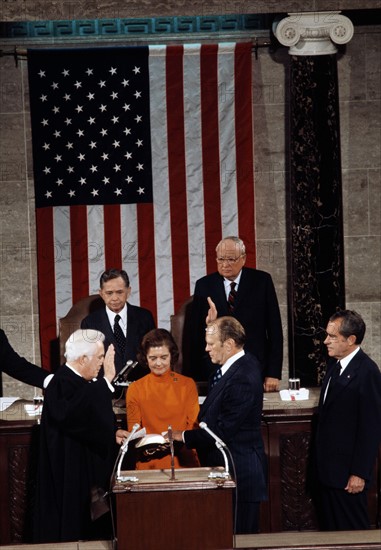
12	364
253	302
349	425
123	324
232	410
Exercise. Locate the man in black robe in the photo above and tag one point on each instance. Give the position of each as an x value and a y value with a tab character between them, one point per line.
77	441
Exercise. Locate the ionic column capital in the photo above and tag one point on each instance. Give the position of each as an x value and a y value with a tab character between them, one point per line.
313	33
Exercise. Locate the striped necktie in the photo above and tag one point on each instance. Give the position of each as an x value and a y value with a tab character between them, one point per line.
232	297
119	334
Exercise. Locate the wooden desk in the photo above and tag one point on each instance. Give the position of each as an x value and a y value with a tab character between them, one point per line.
287	429
328	540
191	511
18	454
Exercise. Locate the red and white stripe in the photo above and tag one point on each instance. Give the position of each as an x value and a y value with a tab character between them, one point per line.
203	189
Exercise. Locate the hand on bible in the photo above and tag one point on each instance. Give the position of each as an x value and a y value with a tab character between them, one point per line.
177	435
121	436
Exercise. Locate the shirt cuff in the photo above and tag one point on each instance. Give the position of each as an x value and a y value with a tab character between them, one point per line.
110	386
47	380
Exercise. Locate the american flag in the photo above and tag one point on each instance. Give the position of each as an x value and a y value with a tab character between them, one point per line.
143	160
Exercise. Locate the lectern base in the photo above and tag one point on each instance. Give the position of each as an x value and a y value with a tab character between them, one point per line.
190	512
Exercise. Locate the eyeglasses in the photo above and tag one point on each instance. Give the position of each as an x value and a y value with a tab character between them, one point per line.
229	261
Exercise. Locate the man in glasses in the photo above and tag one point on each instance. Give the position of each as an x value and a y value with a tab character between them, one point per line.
246	294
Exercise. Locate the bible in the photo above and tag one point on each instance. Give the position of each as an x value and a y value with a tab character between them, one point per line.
152	446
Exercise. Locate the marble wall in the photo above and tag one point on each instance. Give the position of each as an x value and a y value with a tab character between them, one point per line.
359	95
360	120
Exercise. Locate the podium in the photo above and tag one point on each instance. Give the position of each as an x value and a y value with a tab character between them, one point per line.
189	512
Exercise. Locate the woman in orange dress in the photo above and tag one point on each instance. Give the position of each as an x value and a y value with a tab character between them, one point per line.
161	399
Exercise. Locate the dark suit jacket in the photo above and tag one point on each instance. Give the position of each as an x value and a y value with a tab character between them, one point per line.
139	322
256	308
232	410
12	364
349	423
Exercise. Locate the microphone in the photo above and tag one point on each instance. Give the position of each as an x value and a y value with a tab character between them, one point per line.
135	428
124	448
219	442
121	377
220	446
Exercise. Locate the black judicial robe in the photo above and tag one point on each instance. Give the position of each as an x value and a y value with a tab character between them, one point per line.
77	444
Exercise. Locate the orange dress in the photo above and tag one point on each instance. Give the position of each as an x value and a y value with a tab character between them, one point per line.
156	402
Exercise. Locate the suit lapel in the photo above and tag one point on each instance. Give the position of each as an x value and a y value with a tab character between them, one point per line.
327	377
218	388
349	373
107	329
346	377
221	302
243	287
131	332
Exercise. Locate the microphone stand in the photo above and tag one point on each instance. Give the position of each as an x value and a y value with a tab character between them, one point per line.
170	437
220	446
123	451
120	379
224	474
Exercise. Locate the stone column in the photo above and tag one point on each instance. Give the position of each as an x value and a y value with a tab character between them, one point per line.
314	213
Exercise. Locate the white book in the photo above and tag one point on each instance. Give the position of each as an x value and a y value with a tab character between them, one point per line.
151	439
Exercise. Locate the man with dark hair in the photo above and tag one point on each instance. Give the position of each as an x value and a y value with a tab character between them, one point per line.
349	425
248	295
123	324
232	410
12	364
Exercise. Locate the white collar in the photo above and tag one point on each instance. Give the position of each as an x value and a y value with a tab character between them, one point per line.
231	360
345	360
227	283
123	315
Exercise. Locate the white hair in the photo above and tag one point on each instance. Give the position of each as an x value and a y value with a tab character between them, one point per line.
236	240
82	342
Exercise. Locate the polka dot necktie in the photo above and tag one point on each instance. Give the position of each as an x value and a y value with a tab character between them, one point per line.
216	377
119	334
